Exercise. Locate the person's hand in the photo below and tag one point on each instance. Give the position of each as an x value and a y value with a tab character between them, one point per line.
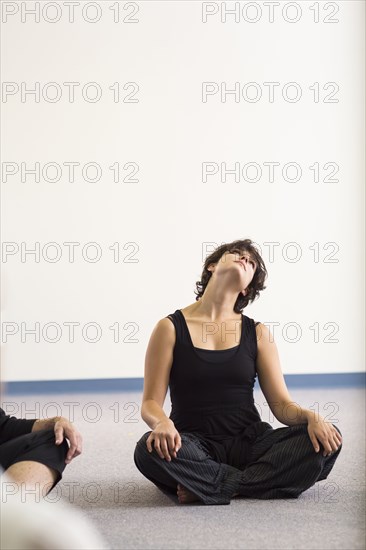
167	439
325	433
64	428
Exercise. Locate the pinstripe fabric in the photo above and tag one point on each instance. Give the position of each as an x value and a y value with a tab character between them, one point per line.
282	464
212	482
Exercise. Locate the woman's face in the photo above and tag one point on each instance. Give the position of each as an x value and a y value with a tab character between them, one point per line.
242	260
244	256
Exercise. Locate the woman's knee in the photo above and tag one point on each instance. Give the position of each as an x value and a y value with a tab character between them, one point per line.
141	450
338	430
330	457
190	449
340	445
141	443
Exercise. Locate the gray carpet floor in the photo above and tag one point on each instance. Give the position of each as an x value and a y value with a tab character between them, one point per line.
132	513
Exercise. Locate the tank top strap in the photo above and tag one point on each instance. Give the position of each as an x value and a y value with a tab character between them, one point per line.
180	333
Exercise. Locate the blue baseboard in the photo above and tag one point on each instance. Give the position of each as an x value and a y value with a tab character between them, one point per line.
339	380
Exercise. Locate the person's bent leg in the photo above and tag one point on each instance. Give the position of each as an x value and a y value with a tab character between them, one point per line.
194	468
33	478
283	464
329	460
34	462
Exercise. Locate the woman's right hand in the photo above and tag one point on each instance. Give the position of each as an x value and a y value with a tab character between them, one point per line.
167	439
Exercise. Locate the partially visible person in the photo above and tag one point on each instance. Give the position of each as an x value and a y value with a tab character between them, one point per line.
35	452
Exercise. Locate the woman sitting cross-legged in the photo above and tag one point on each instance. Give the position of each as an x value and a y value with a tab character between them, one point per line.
214	445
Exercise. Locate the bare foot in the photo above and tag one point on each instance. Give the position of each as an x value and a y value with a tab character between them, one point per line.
184	495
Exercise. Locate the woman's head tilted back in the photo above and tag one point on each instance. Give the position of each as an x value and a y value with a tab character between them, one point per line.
256	284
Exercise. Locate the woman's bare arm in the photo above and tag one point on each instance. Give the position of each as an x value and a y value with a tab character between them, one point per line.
272	382
158	362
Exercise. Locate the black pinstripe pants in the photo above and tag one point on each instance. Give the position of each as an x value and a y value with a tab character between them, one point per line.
282	464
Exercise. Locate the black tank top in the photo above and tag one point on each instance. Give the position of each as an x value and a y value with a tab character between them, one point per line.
211	391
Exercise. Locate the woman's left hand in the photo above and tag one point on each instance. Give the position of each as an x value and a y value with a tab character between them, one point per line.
325	433
64	428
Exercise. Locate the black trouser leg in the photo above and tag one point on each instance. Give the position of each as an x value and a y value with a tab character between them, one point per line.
37	446
194	468
283	463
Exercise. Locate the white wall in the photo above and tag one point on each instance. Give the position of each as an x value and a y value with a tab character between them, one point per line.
171	217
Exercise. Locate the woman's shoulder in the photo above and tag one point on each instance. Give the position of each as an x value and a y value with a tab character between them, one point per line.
251	320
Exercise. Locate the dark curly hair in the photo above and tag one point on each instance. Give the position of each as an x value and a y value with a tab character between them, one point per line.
257	283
